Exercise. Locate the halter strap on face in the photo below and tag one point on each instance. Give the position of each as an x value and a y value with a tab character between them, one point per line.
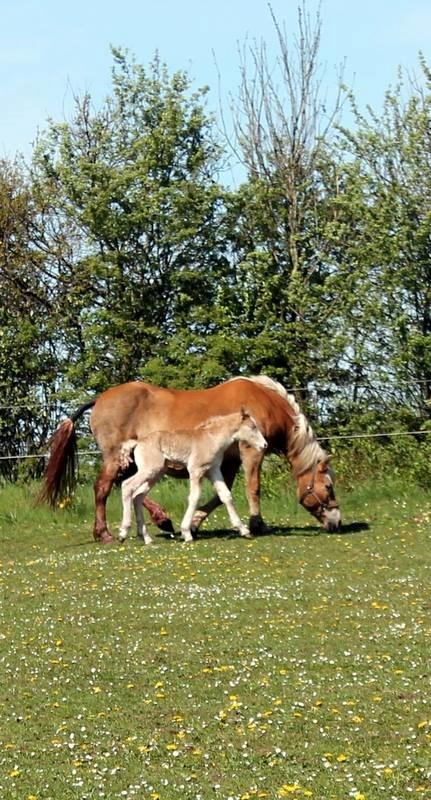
309	490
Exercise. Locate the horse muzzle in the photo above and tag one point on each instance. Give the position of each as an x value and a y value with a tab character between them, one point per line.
331	519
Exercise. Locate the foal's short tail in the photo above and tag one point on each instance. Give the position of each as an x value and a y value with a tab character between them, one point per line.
126	453
59	479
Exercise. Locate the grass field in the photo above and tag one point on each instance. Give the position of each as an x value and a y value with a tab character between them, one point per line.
293	665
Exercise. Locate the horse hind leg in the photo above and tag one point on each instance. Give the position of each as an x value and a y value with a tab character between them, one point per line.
102	487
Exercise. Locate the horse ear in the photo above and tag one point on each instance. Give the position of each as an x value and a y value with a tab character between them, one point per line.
245	414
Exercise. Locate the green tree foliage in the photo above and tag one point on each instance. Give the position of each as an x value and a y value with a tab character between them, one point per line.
28	367
279	215
381	240
123	257
133	184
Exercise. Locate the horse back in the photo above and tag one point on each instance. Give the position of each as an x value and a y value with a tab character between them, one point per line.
134	410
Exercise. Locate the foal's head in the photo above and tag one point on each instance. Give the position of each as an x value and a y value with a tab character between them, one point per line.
248	431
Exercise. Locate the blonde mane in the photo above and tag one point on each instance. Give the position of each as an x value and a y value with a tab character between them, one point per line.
304	451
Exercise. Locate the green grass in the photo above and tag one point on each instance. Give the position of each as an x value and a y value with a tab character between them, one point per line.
296	664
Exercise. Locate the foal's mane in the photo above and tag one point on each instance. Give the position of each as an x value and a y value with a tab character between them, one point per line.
211	421
304	451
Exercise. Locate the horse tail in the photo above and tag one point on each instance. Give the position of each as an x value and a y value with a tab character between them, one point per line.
59	479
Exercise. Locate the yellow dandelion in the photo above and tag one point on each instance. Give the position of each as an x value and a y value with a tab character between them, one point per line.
288	788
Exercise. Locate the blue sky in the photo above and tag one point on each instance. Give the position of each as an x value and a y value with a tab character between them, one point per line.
51	49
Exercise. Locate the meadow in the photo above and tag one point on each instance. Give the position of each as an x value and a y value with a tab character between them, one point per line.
296	664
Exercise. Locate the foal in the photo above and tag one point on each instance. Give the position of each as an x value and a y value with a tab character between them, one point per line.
201	450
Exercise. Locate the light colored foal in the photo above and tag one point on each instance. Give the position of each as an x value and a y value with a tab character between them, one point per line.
201	451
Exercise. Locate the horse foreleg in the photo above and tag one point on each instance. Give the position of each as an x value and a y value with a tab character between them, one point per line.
252	463
229	470
225	496
102	487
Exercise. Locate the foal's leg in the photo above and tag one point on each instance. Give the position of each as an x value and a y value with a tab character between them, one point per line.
225	496
194	495
230	467
136	488
127	489
140	521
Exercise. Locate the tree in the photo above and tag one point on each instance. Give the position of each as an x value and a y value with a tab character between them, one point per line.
133	188
279	246
385	201
27	359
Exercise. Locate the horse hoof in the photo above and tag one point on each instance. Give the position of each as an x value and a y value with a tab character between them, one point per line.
166	525
105	538
257	525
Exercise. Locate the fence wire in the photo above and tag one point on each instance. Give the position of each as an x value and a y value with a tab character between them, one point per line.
333	437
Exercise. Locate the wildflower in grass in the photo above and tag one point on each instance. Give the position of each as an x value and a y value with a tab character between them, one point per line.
288	788
341	757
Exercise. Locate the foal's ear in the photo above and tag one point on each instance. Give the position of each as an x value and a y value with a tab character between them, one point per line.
245	414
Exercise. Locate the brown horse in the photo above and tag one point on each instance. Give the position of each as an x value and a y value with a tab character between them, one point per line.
133	410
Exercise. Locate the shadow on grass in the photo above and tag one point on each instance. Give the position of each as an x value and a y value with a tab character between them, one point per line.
291	530
226	533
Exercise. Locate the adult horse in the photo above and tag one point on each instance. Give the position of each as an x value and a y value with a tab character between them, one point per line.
133	410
